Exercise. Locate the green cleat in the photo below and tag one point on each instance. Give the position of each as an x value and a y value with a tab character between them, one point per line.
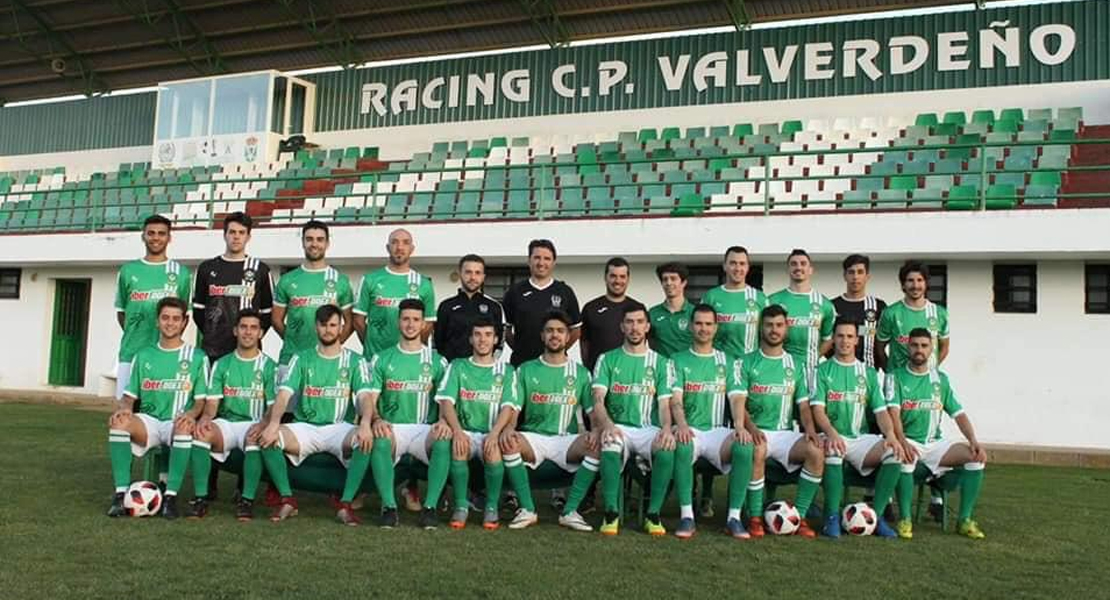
971	529
610	526
905	529
653	526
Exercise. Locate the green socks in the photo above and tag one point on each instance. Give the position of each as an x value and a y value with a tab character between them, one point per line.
179	463
904	492
583	479
662	471
755	498
495	476
971	482
381	464
833	484
439	466
518	478
808	484
684	474
356	471
885	482
252	471
119	451
740	475
611	467
460	480
200	457
274	459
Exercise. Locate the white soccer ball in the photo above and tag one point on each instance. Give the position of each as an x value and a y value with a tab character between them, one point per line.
782	518
859	519
143	499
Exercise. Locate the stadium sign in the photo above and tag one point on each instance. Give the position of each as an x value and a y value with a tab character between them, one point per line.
1005	46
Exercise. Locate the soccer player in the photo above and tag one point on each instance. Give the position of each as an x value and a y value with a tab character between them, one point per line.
771	387
240	389
168	380
404	379
456	314
527	303
737	305
382	291
671	318
333	383
601	317
701	417
305	289
472	398
862	308
141	284
632	390
227	284
551	392
846	390
917	394
913	311
810	315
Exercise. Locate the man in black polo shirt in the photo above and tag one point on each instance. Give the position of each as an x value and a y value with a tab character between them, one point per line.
227	284
526	303
863	308
601	317
457	313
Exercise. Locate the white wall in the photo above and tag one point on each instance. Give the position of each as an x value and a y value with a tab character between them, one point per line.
106	160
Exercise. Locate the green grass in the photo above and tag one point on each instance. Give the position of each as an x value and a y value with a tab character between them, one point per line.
1046	531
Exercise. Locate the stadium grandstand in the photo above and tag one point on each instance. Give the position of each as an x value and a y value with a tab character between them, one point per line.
973	137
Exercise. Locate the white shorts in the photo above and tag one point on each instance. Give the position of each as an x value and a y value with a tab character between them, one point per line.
637	442
314	439
707	445
779	444
123	376
234	434
158	433
930	455
858	449
411	439
550	447
476	441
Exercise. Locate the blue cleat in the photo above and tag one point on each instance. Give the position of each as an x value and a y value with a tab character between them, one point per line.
832	527
736	529
686	529
884	531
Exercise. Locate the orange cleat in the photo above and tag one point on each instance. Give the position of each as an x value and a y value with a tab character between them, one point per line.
805	531
755	527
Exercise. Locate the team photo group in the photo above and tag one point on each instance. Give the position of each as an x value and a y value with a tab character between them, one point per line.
738	384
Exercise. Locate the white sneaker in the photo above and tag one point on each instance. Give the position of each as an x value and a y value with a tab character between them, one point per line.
574	521
523	518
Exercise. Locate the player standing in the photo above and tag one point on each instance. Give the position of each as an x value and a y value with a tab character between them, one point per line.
601	317
862	308
671	318
737	305
913	311
382	291
810	315
457	313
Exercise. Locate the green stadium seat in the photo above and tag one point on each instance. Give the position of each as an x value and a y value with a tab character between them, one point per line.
926	120
741	130
869	184
1017	180
689	205
1001	197
1012	114
946	129
443	205
466	206
547	203
956	117
520	204
892	198
718	131
916	167
1035	125
903	183
768	129
573	204
789	128
886	168
963	197
695	132
498	142
856	200
983	116
670	133
980	129
929	197
1039	113
939	182
1006	125
1061	135
1043	189
1051	161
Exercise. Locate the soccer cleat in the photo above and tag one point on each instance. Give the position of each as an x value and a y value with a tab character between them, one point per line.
458	518
755	527
574	521
805	531
831	529
736	529
388	518
686	529
198	508
905	529
346	515
272	497
287	507
653	526
969	528
244	510
523	518
117	509
169	507
936	510
558	500
491	520
611	524
428	519
411	497
705	508
884	531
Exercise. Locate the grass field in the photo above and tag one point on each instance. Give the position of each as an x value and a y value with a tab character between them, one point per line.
1046	527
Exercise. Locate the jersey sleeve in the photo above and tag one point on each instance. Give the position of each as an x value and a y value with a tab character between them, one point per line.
664	379
602	378
439	370
585	389
876	398
121	291
951	404
346	296
892	392
678	378
738	379
185	285
200	377
828	319
439	331
448	388
216	380
200	292
269	383
294	377
362	379
377	373
265	293
509	391
281	293
942	322
134	383
363	299
820	388
516	401
801	390
428	297
572	309
885	331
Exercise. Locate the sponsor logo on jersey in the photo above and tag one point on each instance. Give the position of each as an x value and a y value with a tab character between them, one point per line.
832	396
486	396
303	301
556	301
778	389
242	392
167	385
394	385
736	318
387	302
698	387
334	391
908	404
228	290
803	321
556	398
149	296
633	388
